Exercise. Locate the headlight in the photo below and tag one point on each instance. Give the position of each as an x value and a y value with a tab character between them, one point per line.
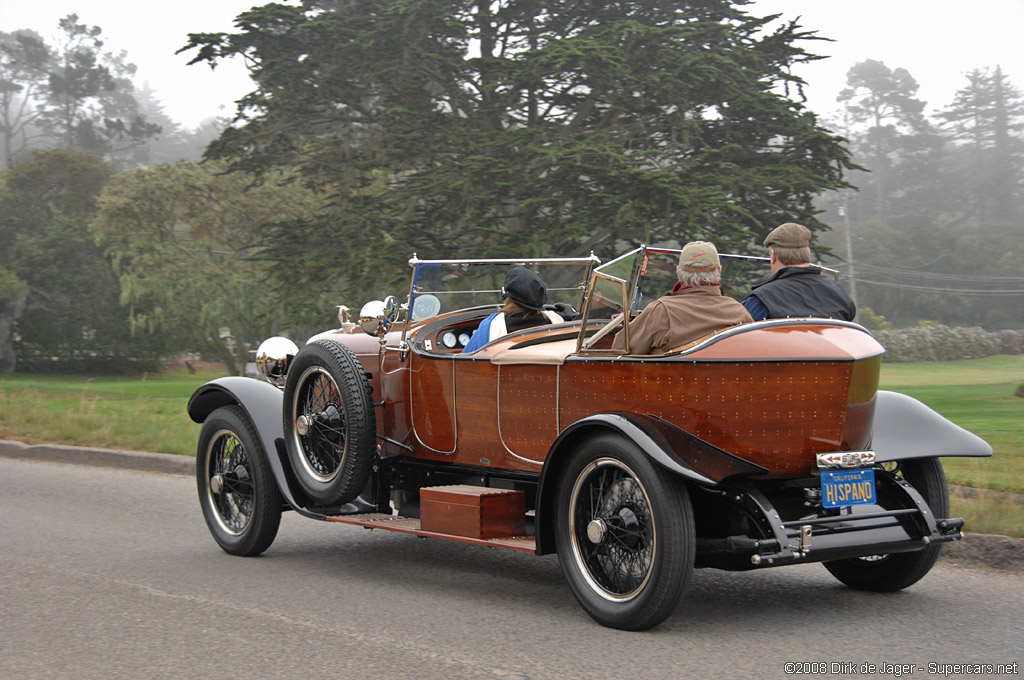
370	317
273	358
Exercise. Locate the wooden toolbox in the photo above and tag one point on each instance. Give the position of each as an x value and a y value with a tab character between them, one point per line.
472	511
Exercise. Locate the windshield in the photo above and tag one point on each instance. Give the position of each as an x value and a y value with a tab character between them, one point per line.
632	281
657	275
439	287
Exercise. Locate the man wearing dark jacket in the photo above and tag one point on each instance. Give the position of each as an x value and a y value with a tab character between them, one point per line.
795	287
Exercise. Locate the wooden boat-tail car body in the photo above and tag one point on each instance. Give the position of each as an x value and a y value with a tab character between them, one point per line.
764	444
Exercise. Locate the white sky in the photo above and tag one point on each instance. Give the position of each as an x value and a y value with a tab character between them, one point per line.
937	41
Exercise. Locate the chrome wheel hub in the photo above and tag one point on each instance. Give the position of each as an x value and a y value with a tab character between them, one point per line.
596	531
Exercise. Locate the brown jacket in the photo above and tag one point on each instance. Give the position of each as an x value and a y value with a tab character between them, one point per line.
680	317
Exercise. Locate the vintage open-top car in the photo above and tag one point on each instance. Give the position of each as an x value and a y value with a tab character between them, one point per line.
762	445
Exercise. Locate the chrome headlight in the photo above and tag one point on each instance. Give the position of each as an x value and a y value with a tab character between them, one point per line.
370	317
273	358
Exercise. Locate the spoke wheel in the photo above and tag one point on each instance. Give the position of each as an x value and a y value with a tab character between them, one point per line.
891	572
239	497
329	422
625	534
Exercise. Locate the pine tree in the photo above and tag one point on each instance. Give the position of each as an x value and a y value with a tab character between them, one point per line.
986	119
464	127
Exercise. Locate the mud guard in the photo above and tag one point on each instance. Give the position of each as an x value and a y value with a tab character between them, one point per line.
669	446
905	428
263	403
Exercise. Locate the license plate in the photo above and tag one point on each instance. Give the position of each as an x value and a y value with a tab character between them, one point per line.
842	488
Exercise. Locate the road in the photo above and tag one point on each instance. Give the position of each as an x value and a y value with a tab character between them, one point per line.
112	574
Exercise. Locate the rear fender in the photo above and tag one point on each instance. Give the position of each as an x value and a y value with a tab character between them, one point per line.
672	448
904	428
263	404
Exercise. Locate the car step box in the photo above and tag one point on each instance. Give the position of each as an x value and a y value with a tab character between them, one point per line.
472	511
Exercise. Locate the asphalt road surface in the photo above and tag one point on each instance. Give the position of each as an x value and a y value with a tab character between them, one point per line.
112	574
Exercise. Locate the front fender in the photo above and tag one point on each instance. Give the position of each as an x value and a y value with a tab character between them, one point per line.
263	404
669	446
905	428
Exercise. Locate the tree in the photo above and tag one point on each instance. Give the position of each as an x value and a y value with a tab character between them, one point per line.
183	241
457	127
24	58
174	142
71	318
986	119
894	138
73	95
12	303
89	104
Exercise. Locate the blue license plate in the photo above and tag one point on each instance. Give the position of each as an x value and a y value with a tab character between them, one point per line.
842	488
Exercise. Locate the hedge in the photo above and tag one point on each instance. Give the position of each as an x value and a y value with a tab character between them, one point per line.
946	343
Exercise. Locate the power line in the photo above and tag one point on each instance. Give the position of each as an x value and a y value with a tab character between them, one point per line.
945	291
936	276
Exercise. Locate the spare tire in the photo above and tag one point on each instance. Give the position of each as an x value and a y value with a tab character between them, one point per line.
330	427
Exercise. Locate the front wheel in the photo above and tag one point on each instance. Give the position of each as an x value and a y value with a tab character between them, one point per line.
237	492
625	534
891	572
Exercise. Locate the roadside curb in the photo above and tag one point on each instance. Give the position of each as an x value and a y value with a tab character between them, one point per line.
140	461
988	551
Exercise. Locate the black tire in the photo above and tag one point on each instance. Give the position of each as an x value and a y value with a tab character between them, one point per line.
625	534
237	492
330	428
896	571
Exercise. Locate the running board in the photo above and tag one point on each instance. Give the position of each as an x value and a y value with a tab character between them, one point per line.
411	525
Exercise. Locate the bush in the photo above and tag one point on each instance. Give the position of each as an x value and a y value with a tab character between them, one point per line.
937	342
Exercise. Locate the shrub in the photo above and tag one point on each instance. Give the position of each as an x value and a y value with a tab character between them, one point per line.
937	342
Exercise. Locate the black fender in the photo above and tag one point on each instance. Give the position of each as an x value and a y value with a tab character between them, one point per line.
263	404
904	428
671	447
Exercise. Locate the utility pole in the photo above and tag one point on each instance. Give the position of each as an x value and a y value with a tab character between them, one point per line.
844	212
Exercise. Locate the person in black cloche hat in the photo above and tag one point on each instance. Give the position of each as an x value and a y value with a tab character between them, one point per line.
524	295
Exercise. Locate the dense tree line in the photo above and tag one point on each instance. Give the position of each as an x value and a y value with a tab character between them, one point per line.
936	224
385	127
77	94
62	311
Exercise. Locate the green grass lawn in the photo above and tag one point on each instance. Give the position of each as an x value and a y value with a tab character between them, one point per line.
142	413
978	395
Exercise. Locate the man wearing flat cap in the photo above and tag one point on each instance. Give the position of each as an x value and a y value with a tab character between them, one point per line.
694	308
795	287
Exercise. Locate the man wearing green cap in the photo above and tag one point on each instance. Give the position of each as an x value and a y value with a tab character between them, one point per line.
694	308
795	287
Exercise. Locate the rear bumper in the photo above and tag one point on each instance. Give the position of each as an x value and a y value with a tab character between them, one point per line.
853	532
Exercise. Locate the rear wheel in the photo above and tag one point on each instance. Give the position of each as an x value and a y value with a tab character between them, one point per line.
329	424
625	534
239	497
891	572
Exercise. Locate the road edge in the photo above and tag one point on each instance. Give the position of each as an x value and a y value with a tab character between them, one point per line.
140	461
989	551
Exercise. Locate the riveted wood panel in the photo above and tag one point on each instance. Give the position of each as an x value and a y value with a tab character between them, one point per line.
774	414
860	412
476	384
432	398
527	409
